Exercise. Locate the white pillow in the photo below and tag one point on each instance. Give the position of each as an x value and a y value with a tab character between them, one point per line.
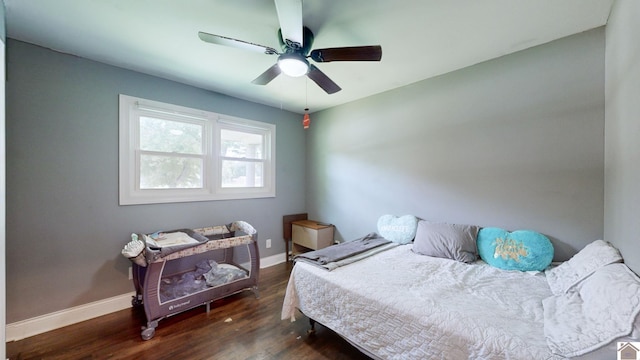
597	311
594	256
399	229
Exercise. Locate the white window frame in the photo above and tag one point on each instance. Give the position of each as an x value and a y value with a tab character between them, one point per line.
131	108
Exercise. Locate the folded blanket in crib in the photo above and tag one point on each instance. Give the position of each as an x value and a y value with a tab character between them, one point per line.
156	250
345	253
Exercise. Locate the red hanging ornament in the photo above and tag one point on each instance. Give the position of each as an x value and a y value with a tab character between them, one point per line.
305	120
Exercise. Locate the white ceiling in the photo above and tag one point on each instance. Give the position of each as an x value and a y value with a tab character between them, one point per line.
419	38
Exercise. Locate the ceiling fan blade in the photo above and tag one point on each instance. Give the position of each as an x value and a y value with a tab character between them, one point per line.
239	44
268	75
353	53
322	80
290	18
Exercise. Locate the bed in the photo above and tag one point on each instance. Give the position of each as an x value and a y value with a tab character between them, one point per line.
178	270
392	302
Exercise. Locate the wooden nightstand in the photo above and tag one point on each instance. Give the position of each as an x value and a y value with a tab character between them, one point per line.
310	235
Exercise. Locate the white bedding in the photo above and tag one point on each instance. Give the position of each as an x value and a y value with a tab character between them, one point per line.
609	299
481	311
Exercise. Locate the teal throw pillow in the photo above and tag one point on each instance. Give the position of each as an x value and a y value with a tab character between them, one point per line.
523	250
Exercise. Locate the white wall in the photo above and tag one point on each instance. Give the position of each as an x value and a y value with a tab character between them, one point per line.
515	142
622	145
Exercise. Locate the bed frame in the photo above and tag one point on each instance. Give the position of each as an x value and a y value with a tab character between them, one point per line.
234	244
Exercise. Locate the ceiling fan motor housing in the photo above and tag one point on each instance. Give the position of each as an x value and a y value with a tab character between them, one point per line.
289	46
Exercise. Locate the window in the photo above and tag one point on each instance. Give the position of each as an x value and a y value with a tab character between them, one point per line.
170	153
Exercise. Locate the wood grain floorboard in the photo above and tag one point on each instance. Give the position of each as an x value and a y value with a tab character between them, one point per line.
254	332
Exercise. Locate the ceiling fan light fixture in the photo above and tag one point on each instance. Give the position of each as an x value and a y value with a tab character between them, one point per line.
293	64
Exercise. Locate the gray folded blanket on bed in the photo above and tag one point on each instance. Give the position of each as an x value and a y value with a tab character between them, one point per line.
338	255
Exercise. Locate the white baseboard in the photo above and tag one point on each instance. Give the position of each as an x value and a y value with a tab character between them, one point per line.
41	324
272	260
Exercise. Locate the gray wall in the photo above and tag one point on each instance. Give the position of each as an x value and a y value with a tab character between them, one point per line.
2	187
515	142
622	148
3	30
65	229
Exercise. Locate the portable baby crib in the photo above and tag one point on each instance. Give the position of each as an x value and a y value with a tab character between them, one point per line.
216	262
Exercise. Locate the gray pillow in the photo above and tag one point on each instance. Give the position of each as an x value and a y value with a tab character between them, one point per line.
450	241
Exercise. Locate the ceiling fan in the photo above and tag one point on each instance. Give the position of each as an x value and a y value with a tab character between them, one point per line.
296	41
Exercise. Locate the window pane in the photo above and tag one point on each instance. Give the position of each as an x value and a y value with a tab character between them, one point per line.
170	136
170	153
170	172
240	144
242	174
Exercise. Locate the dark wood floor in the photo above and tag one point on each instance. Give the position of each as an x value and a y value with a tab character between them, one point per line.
255	332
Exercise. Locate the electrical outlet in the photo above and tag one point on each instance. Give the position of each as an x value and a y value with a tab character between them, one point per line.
268	243
130	273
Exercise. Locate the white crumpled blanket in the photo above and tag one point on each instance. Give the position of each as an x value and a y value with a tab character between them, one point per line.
595	312
591	258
